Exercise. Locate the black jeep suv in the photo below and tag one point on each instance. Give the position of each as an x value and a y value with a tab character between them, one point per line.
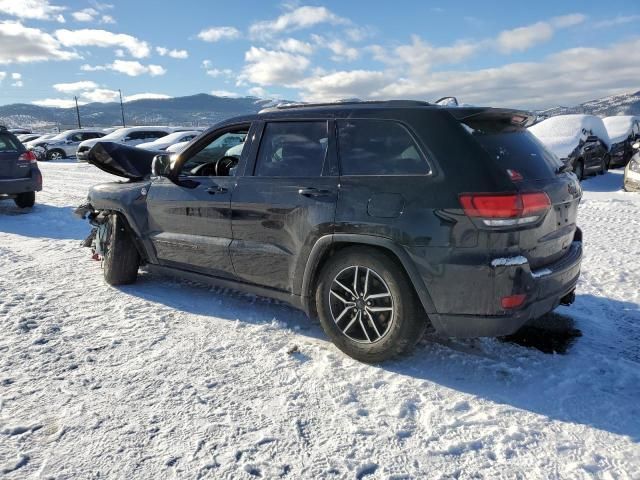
375	216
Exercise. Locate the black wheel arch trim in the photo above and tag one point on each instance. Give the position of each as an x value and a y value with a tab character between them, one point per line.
322	246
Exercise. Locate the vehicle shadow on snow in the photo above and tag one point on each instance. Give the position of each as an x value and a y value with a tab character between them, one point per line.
579	386
41	221
609	182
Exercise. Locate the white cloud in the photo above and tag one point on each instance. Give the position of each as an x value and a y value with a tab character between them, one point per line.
344	84
217	72
524	38
132	68
100	95
225	93
616	21
103	38
32	10
295	46
85	15
215	34
258	92
16	76
567	77
20	44
3	75
268	67
17	80
57	102
341	51
172	53
146	96
74	87
296	19
107	19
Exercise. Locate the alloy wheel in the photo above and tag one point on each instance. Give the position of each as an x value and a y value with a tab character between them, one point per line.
361	304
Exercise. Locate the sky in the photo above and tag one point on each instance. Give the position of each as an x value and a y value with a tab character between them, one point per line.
512	54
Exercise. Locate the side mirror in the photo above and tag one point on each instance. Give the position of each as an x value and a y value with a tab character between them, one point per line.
161	165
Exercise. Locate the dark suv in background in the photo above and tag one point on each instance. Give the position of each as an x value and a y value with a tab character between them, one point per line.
374	216
20	177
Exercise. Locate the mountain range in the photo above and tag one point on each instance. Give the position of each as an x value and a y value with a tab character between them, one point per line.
203	110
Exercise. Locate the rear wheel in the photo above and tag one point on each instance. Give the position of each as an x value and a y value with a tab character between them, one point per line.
579	170
121	258
367	306
55	154
25	200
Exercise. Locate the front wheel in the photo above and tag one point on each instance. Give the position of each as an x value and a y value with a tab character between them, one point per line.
25	200
55	155
367	306
579	170
121	257
606	162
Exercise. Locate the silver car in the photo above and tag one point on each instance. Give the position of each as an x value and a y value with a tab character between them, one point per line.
66	143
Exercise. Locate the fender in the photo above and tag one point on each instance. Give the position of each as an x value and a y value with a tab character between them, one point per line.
324	243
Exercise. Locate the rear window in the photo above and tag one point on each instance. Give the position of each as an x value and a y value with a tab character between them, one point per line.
9	143
516	149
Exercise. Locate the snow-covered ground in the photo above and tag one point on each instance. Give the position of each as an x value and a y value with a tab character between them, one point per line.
165	379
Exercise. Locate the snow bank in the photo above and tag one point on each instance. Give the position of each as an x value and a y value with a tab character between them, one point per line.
562	134
620	127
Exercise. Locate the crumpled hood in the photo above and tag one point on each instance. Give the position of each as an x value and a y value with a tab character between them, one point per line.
128	162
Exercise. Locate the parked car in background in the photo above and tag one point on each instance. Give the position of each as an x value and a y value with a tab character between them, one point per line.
19	131
176	147
374	216
632	171
20	177
580	141
28	137
130	136
165	142
624	131
65	144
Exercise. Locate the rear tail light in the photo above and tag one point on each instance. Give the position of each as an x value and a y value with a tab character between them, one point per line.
28	156
508	209
513	301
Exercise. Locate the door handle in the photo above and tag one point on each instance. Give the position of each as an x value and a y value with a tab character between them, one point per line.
216	190
313	192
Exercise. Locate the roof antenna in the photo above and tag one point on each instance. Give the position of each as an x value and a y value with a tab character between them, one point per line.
447	101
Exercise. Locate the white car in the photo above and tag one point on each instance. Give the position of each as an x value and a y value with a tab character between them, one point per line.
130	136
624	131
64	144
177	147
171	139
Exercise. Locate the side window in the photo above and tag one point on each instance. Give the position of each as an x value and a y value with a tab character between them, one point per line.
378	147
219	157
292	149
136	136
76	137
155	135
7	143
90	135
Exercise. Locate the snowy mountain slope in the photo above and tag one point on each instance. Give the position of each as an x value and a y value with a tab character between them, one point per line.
167	379
625	104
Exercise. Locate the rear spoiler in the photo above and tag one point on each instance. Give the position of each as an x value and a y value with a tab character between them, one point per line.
506	116
117	159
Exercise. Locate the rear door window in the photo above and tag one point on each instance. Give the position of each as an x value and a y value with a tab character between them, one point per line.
8	143
292	149
378	147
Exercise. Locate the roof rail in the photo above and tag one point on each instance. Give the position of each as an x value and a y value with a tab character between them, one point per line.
398	103
441	101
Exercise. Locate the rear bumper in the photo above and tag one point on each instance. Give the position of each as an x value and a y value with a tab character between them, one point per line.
15	186
545	288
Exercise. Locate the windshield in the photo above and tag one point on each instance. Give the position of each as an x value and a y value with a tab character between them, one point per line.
116	134
172	137
59	136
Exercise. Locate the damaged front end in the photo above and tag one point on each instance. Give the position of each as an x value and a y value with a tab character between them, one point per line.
98	238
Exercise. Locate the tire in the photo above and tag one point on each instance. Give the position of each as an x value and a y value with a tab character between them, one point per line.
398	325
579	170
55	154
25	200
604	167
121	258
